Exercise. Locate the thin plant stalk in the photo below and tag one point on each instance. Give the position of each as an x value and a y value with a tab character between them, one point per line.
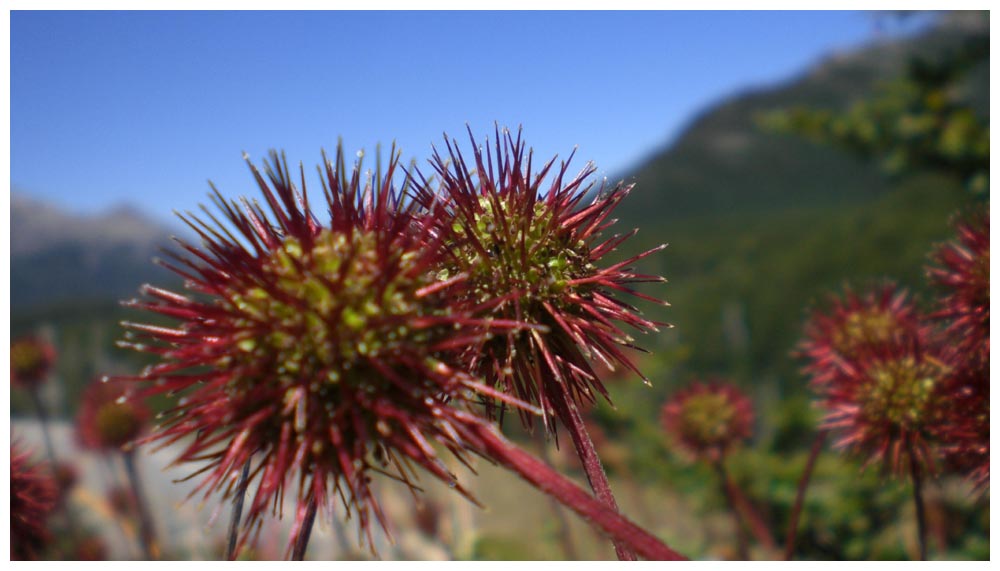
43	418
753	519
564	532
234	522
50	451
918	501
302	539
800	494
728	490
146	533
569	414
551	482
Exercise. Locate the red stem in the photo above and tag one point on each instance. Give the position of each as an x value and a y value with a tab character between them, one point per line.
918	500
728	490
146	532
572	496
596	476
800	495
302	539
234	522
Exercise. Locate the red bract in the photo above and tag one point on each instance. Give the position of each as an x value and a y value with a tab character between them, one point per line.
707	419
964	432
886	404
323	352
111	416
538	247
836	336
32	498
963	272
31	360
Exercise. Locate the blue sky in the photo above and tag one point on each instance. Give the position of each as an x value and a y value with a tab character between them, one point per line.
144	107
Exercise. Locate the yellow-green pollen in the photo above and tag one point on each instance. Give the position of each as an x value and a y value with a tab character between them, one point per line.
863	327
325	337
901	392
552	261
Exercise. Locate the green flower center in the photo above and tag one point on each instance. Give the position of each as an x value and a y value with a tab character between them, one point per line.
901	392
325	317
528	253
865	327
707	418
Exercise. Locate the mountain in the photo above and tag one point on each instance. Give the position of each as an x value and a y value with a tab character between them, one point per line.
724	162
58	257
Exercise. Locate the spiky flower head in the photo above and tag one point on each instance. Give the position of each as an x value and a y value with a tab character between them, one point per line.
856	323
886	404
708	419
32	498
964	433
963	272
535	242
31	360
111	417
316	345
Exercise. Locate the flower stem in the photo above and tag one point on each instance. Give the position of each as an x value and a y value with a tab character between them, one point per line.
551	482
743	550
918	500
302	539
596	476
234	522
43	418
565	537
50	451
800	494
146	533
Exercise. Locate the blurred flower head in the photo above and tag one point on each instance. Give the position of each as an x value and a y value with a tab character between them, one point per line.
856	323
886	404
320	350
707	419
32	498
533	240
962	270
31	360
964	433
111	416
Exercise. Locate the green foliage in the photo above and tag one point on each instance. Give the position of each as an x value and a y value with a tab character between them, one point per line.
922	120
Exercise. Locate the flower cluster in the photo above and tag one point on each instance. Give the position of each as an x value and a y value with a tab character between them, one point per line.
899	388
31	360
962	271
708	419
880	373
852	326
324	348
32	498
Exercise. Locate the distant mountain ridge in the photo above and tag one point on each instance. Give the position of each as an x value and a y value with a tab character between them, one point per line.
57	256
724	162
